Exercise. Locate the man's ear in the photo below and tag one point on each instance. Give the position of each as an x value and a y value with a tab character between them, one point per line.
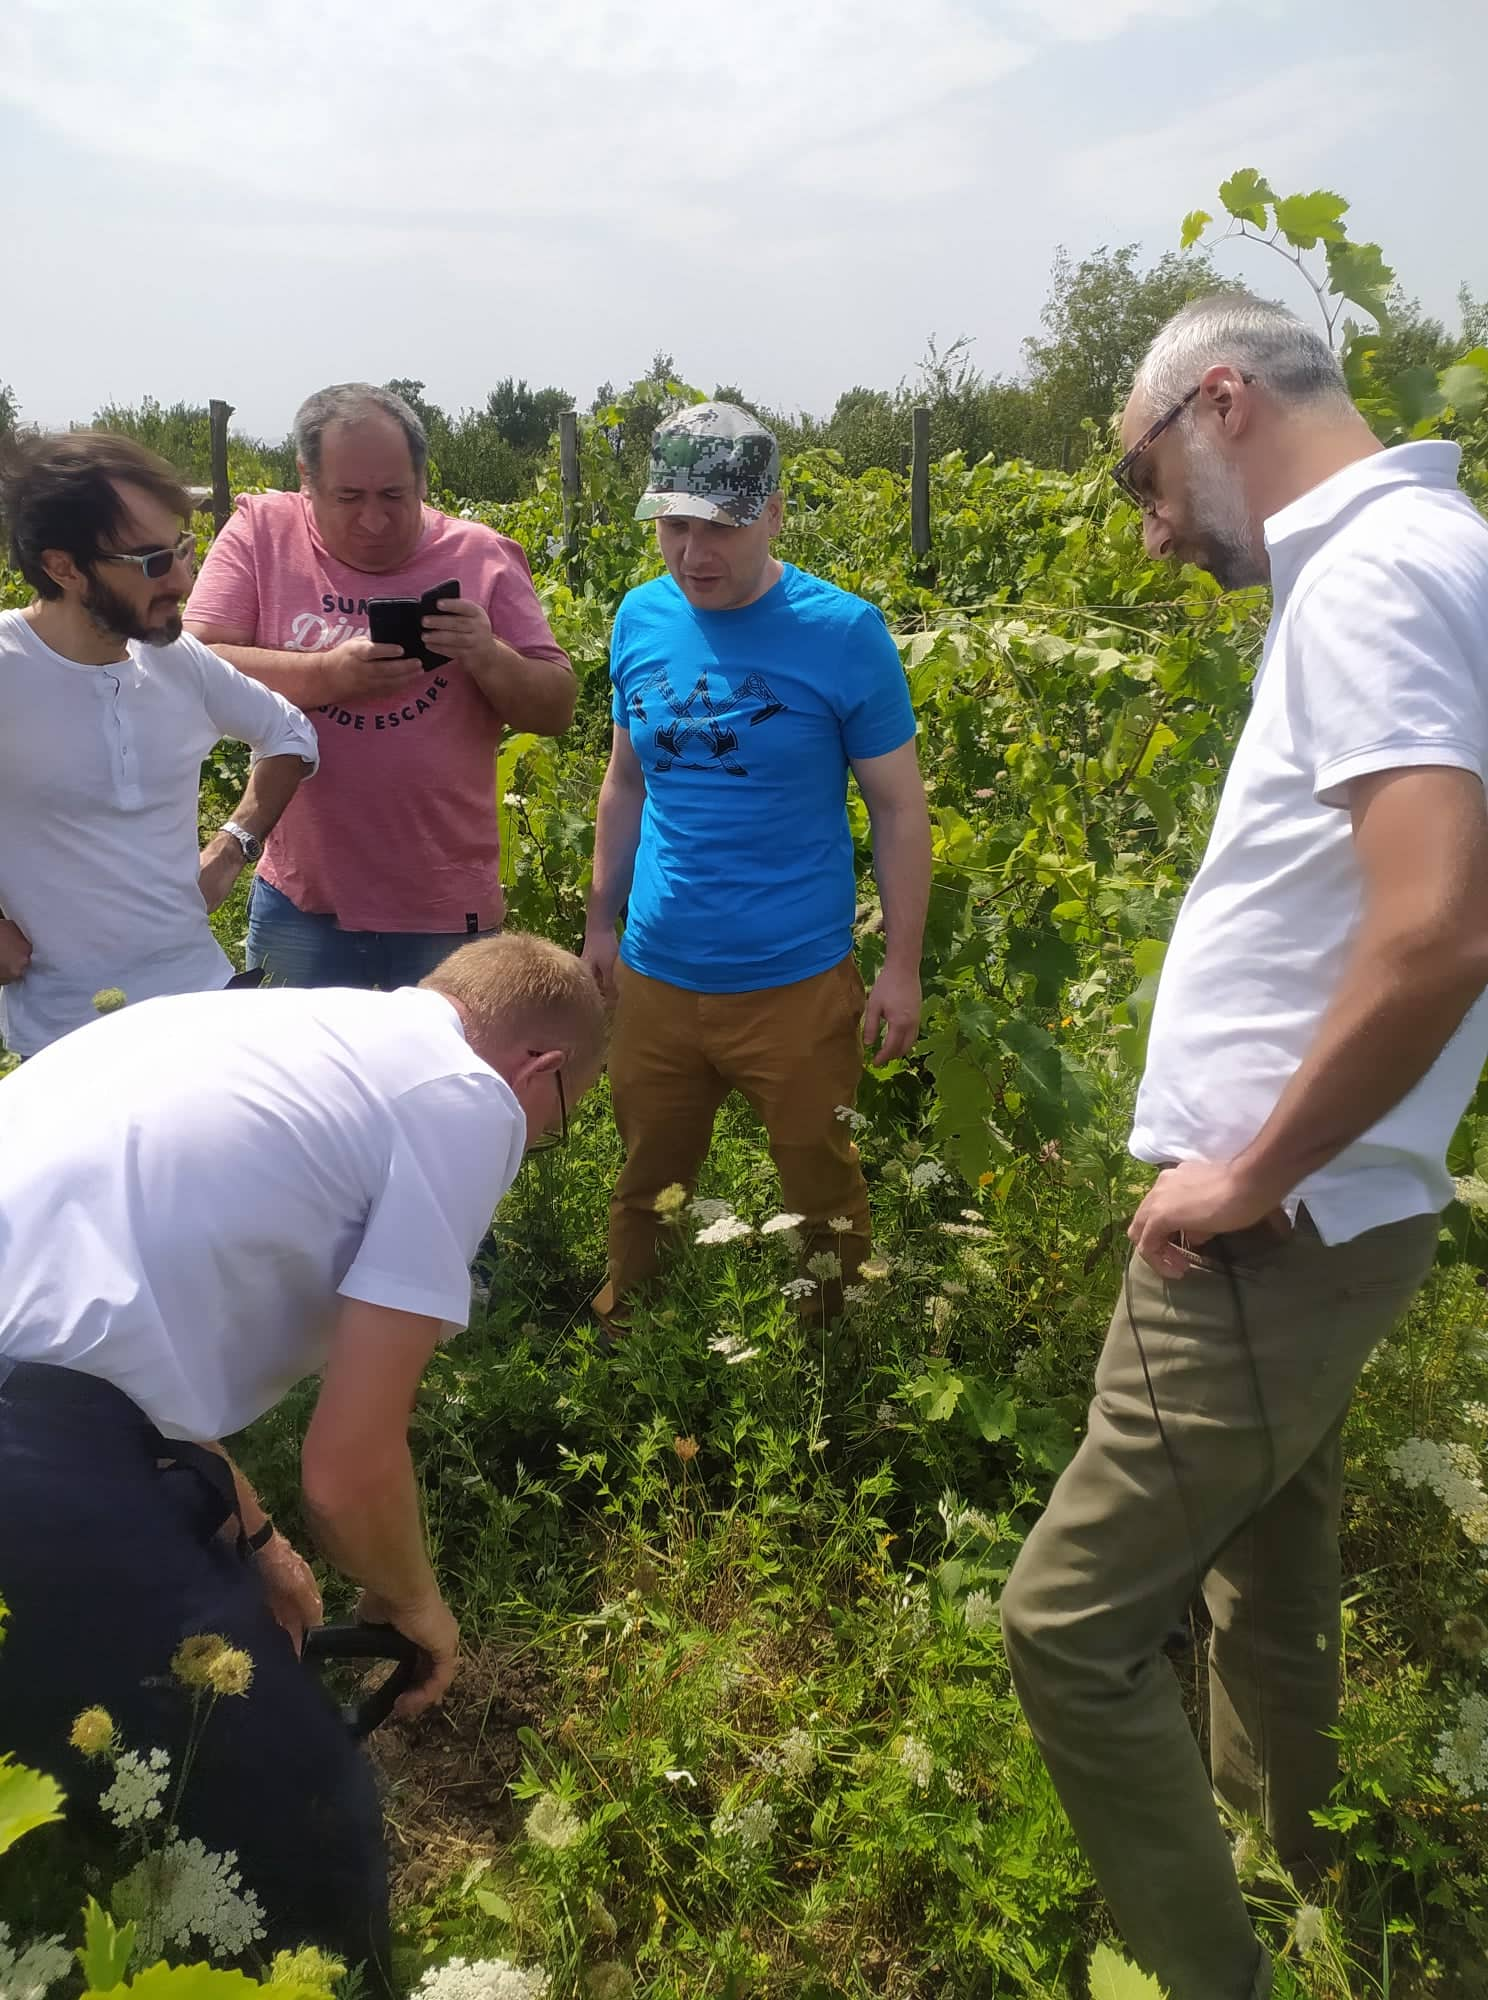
1225	391
536	1063
64	570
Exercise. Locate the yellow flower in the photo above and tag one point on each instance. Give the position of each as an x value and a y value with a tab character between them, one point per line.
93	1732
230	1671
108	1000
874	1268
671	1201
306	1967
194	1656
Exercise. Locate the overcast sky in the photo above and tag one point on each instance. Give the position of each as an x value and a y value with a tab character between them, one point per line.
250	198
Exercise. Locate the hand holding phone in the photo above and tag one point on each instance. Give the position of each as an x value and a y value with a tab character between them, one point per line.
399	621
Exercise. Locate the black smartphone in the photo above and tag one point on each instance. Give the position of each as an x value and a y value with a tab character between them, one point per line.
399	621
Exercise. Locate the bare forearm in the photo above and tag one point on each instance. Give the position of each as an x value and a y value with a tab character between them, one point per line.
272	783
1399	1005
368	1525
531	694
901	865
617	835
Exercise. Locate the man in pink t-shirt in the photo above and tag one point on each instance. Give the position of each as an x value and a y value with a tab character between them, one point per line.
397	858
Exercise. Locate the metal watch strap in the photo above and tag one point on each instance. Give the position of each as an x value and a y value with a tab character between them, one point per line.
250	843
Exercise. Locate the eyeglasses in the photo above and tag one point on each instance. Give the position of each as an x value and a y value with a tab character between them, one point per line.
157	563
1121	471
546	1141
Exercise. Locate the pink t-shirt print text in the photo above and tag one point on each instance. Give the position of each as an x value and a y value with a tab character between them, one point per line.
399	830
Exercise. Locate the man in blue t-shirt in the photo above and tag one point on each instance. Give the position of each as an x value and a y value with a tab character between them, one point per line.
744	693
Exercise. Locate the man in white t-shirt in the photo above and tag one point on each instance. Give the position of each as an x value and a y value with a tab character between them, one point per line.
206	1199
109	712
1319	1029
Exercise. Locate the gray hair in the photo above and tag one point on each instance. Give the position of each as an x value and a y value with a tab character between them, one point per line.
349	403
1261	339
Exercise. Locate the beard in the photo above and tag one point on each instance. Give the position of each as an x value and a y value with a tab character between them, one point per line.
114	615
1224	538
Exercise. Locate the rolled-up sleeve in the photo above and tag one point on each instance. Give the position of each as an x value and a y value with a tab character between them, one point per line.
250	713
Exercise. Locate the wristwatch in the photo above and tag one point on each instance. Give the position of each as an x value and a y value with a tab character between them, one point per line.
250	843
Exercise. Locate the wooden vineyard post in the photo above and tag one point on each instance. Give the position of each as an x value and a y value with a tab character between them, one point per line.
221	498
919	484
568	474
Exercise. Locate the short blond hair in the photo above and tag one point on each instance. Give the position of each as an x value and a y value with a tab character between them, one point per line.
518	987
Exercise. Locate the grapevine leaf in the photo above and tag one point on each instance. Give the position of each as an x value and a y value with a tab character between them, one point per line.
1245	195
27	1800
1194	224
1115	1978
1465	384
1159	804
1306	220
991	1413
1037	1072
1359	273
106	1949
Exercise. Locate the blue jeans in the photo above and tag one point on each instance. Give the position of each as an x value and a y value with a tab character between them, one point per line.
120	1560
298	949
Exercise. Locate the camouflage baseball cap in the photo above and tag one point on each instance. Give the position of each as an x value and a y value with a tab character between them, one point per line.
713	461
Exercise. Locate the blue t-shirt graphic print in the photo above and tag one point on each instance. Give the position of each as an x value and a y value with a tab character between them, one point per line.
744	723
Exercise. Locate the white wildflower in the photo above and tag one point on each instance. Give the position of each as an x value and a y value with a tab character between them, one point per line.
854	1120
1476	1414
1462	1749
917	1761
854	1295
778	1224
794	1756
1307	1929
979	1610
732	1348
961	1521
1248	1856
482	1979
953	1288
824	1265
138	1788
1451	1472
553	1823
680	1776
927	1174
976	1229
727	1229
886	1414
840	1225
708	1208
798	1288
515	800
874	1269
751	1826
187	1892
26	1975
939	1311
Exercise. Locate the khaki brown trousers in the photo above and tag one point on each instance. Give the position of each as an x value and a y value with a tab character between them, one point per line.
794	1052
1253	1357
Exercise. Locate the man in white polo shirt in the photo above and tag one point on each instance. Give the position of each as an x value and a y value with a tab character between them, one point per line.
206	1199
109	712
1319	1029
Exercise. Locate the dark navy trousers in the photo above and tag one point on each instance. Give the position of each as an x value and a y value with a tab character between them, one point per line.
107	1561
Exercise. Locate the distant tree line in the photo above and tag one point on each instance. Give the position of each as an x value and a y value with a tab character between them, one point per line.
1099	315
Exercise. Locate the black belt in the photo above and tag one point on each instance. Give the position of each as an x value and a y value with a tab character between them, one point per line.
45	1385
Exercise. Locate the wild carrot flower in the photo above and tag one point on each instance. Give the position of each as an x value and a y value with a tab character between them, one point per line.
824	1265
727	1229
709	1208
686	1448
732	1348
26	1975
1307	1929
138	1788
553	1823
1467	1635
671	1201
872	1269
751	1826
778	1224
482	1979
840	1225
917	1761
979	1610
